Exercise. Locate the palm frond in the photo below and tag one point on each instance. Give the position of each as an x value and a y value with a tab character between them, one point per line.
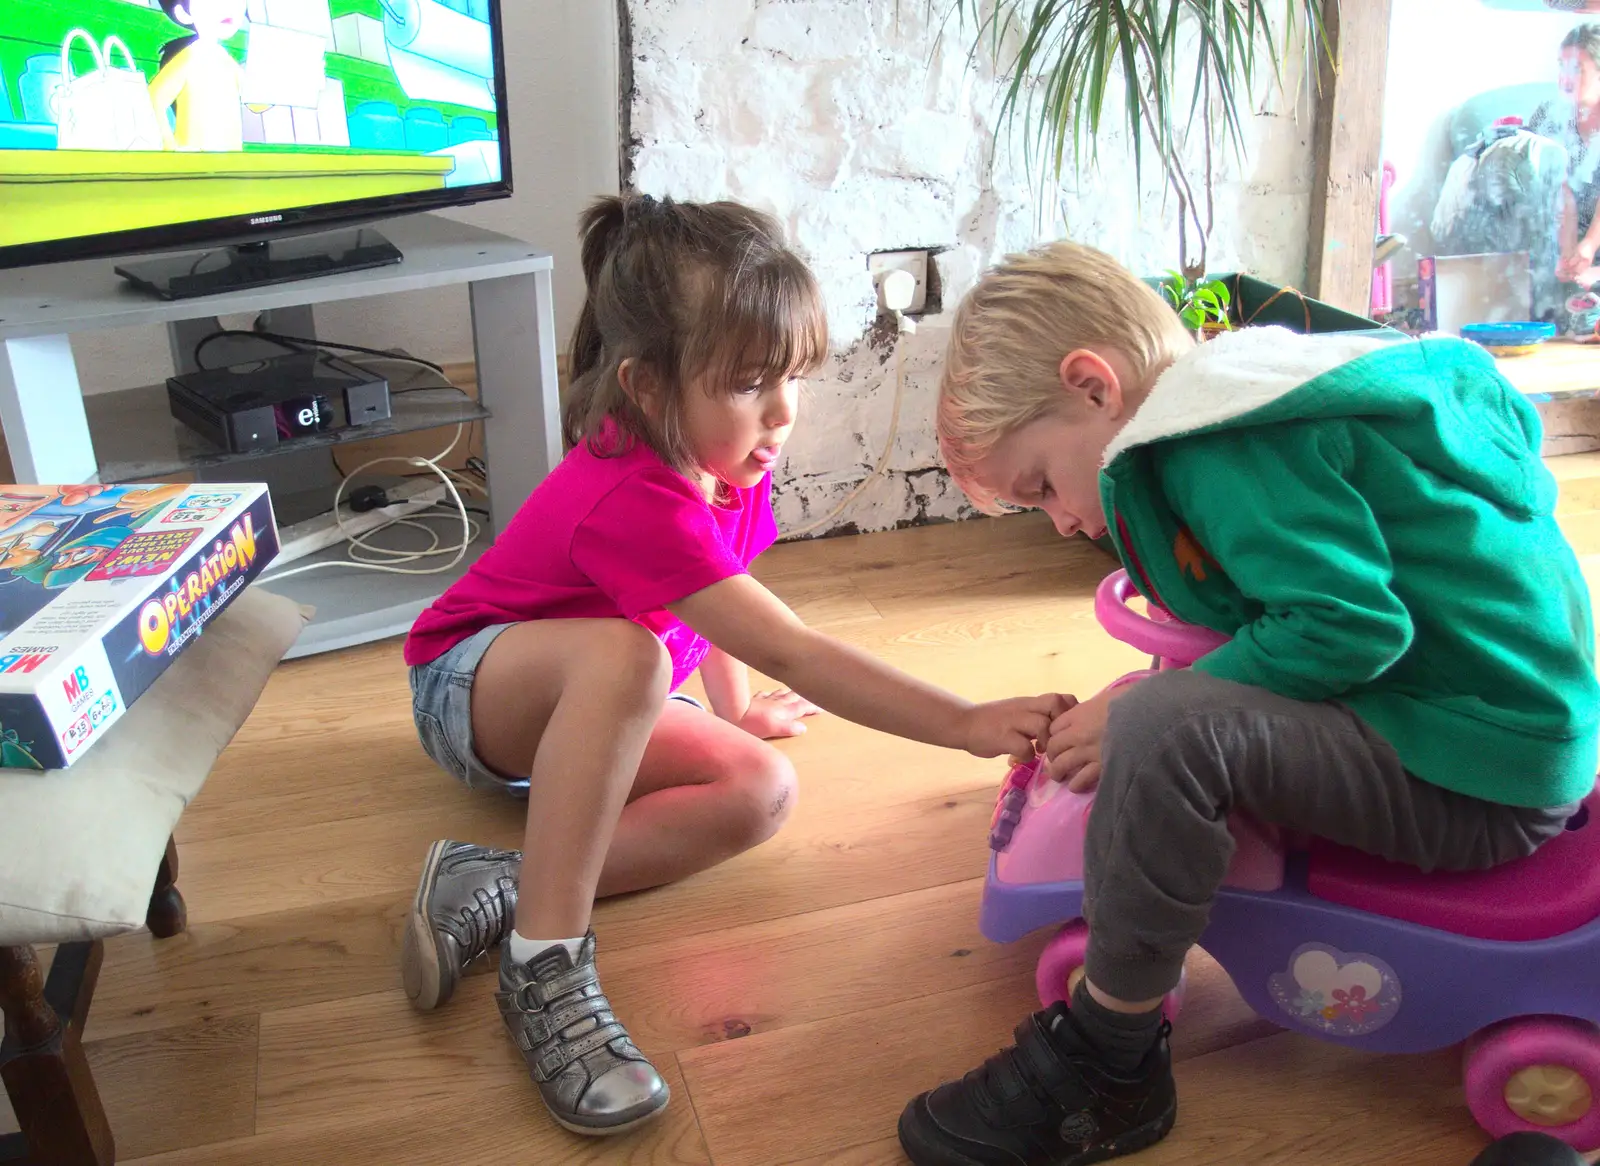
1061	60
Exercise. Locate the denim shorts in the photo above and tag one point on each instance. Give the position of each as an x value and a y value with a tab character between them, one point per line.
441	705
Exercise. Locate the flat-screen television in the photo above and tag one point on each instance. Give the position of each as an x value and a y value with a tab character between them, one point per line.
144	125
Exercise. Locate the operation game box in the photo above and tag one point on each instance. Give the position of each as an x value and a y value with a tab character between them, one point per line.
101	587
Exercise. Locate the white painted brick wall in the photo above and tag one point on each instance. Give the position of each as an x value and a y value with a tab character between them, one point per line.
850	121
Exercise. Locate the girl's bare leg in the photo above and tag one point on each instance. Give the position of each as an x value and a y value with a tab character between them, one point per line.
706	791
627	790
573	704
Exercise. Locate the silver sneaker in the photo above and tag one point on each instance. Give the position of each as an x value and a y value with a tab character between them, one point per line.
466	903
591	1076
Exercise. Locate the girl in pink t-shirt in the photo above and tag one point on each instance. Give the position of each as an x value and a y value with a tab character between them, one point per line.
551	668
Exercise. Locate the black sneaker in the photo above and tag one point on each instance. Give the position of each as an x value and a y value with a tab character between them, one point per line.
1047	1101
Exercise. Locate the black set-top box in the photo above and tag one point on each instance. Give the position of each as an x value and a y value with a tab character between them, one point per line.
253	406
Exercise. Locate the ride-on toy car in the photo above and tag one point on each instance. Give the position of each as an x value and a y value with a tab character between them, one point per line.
1347	947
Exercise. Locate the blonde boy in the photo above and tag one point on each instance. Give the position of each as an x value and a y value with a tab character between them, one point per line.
1411	666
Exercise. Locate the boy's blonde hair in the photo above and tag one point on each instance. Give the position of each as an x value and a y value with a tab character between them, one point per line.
1002	370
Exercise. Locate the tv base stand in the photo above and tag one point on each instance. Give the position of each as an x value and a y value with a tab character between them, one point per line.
256	265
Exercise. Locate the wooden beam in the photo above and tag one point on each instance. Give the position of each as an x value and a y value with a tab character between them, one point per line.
1347	140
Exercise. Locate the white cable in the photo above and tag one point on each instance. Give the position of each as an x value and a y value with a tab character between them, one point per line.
888	446
377	554
364	360
360	542
361	361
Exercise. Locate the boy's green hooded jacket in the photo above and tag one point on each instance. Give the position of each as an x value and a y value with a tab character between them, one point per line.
1371	522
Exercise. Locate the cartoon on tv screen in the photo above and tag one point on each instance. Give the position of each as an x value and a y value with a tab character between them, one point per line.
117	115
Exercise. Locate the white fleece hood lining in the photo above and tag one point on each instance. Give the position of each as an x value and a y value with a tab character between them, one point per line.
1237	373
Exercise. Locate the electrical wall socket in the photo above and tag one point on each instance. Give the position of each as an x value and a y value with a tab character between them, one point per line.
914	262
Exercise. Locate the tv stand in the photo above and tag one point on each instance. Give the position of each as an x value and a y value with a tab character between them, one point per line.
124	436
246	266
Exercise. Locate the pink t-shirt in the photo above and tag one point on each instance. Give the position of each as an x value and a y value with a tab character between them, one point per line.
604	538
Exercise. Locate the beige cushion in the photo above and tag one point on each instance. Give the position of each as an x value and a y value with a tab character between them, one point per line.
79	847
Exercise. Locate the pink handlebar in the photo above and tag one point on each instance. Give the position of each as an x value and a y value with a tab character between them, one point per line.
1179	644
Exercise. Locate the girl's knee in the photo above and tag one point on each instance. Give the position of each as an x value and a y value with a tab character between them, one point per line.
633	656
780	785
764	786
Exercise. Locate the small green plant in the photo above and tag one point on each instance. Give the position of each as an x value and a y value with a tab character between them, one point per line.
1198	302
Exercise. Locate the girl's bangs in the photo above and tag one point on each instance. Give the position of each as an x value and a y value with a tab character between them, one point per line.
769	325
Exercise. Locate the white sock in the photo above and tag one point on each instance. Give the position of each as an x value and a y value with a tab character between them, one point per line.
524	949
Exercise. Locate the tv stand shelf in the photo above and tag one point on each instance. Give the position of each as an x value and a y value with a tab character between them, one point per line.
136	438
54	437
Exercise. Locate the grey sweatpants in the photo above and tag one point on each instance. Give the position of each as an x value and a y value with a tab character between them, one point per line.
1182	750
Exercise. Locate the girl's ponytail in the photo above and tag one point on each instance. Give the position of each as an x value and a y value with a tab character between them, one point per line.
600	228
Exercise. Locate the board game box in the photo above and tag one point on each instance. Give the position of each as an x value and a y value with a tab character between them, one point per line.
101	587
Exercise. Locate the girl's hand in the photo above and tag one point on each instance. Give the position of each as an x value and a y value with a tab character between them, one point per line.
1010	728
777	714
1074	746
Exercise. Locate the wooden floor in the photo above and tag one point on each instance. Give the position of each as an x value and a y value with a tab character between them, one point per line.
794	998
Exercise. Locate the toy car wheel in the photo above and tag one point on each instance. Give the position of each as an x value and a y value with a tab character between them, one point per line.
1060	968
1061	962
1537	1073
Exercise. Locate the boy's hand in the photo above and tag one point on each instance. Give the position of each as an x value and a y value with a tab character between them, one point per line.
1074	746
1035	749
777	714
1011	727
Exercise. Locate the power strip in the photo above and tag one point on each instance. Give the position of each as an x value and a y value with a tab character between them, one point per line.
320	533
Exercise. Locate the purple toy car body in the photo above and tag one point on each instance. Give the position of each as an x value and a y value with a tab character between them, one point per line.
1347	947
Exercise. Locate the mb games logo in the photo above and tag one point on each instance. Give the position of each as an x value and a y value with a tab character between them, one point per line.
76	686
19	661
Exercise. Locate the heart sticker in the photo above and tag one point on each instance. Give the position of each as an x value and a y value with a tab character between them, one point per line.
1329	991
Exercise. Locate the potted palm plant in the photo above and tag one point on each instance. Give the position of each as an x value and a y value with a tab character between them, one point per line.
1186	66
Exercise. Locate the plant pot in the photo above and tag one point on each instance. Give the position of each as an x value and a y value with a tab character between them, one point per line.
1212	329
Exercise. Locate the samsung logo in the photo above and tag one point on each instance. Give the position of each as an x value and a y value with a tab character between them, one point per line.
263	220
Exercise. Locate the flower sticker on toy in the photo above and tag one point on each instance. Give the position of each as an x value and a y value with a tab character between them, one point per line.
1329	991
1308	1003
